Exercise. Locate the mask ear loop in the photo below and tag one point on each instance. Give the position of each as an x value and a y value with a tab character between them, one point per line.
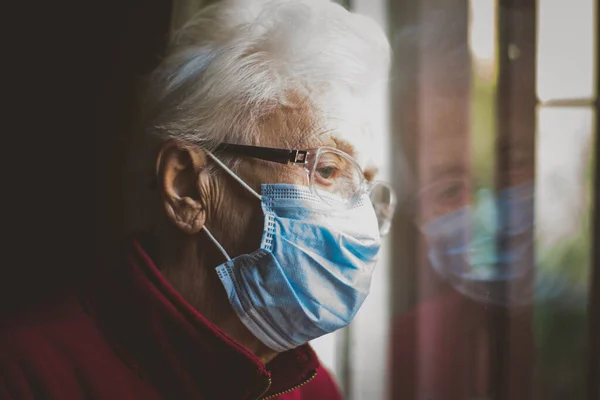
244	184
221	249
234	176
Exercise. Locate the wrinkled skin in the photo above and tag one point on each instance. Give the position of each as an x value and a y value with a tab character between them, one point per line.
195	192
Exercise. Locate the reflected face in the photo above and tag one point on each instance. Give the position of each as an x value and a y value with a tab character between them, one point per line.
443	196
475	247
444	162
446	170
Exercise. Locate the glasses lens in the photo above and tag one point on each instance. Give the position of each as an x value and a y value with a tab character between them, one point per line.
335	177
384	201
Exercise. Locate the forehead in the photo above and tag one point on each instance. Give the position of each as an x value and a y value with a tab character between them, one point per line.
338	120
358	144
349	127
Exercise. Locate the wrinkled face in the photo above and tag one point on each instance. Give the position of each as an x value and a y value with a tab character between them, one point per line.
198	193
296	126
301	126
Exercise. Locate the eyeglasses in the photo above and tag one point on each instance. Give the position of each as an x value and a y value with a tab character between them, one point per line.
333	176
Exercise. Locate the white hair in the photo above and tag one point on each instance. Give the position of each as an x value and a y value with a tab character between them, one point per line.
237	61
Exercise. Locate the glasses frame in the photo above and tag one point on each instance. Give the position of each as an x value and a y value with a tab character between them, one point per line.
281	156
302	158
298	157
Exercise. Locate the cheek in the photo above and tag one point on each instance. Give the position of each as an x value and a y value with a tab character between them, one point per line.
240	218
255	232
271	173
297	176
246	216
246	219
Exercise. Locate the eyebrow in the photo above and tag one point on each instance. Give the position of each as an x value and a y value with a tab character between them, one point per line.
445	172
370	173
344	146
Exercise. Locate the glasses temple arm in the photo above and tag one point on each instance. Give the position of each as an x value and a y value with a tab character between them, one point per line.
281	156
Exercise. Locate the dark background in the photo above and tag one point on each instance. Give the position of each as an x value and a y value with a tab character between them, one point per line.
72	76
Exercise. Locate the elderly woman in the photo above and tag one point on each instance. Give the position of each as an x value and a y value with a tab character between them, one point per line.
258	221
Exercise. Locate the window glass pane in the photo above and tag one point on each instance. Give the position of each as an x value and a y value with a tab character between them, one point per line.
461	338
563	214
566	43
483	45
482	37
563	145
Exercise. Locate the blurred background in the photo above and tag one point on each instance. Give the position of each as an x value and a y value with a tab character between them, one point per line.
489	285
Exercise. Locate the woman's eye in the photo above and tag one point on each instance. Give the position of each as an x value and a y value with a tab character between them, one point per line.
326	172
451	192
452	195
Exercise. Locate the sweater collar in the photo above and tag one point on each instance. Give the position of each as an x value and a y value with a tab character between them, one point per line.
176	349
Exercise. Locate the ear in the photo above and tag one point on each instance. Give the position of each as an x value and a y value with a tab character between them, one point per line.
183	182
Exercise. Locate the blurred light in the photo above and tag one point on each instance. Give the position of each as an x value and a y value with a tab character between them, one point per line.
565	53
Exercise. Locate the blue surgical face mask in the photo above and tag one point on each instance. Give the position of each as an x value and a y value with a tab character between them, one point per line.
313	269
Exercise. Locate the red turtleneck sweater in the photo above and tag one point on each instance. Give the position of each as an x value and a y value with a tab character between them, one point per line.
130	335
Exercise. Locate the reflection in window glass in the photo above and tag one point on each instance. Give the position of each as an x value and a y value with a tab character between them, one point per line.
483	46
563	214
563	147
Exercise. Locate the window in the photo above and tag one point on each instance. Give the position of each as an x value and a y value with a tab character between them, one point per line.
494	108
